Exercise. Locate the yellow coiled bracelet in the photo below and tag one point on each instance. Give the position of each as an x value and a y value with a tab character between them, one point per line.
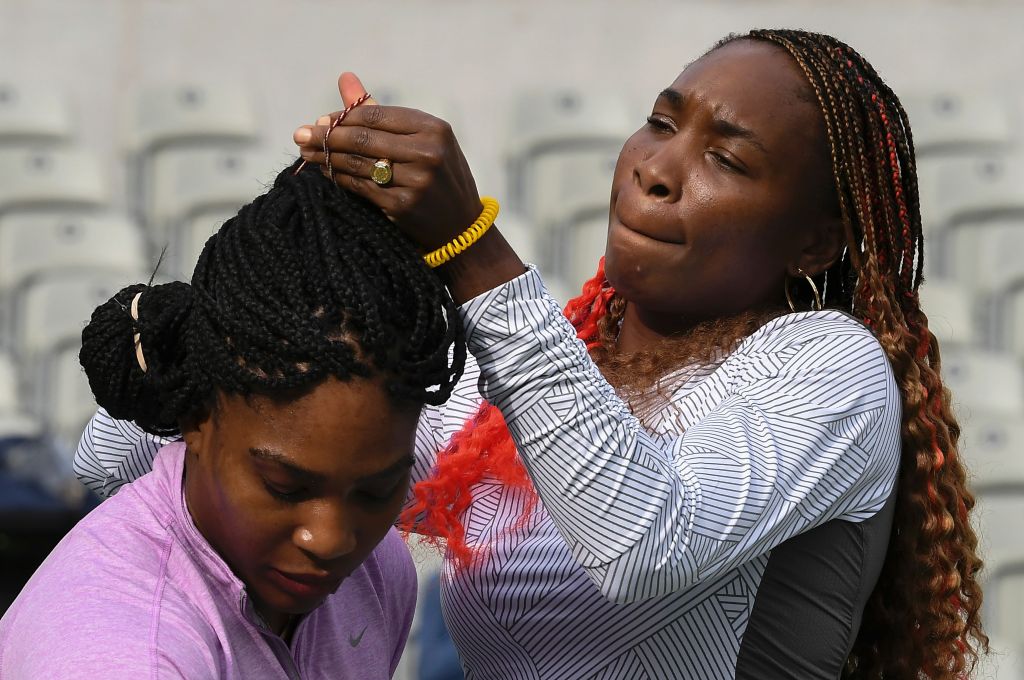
436	258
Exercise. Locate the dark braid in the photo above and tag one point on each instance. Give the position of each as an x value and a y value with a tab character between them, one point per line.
922	620
304	283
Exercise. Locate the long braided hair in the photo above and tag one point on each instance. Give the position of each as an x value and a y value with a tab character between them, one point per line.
306	282
922	620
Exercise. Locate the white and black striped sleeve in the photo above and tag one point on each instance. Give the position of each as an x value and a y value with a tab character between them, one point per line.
113	452
806	431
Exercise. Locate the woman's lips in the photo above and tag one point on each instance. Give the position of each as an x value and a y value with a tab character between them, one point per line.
647	234
304	585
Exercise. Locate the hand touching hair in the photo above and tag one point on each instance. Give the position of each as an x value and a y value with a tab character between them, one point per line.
307	281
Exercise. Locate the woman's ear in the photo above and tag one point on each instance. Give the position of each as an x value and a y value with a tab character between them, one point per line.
197	431
823	247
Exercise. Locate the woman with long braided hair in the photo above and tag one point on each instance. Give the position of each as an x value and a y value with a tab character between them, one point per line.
735	457
294	368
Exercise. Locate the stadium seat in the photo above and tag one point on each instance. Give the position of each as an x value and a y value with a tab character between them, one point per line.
190	181
985	254
188	113
49	319
558	120
33	114
565	184
983	381
950	309
51	179
957	120
1003	578
15	423
53	310
584	245
188	238
960	194
977	188
35	244
992	446
69	403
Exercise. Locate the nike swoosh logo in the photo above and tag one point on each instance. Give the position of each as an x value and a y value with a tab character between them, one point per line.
354	641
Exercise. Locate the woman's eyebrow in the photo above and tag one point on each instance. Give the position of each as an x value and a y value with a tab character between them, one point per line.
675	99
287	463
733	130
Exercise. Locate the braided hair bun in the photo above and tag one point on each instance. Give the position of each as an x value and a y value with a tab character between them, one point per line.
306	282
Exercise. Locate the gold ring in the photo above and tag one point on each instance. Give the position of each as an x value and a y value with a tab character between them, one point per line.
381	173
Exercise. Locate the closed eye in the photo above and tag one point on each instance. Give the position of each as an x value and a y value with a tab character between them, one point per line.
726	163
382	494
285	495
660	124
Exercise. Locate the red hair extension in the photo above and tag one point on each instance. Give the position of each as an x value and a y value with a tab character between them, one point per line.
483	448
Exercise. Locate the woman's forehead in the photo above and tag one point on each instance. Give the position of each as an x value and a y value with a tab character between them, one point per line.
757	85
747	70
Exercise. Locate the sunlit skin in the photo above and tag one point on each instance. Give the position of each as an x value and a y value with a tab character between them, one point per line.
306	488
723	192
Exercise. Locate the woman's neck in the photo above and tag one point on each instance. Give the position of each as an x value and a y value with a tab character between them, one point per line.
641	331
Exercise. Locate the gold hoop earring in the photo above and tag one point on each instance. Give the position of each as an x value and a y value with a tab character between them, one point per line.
814	289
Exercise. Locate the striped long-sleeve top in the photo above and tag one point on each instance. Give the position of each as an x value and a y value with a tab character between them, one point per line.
737	532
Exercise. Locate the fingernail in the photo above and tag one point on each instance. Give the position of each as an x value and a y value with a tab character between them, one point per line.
303	135
323	120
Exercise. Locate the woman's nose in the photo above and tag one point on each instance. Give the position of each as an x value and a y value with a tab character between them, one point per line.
327	536
657	177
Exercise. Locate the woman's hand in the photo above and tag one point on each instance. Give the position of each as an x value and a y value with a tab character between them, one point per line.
432	195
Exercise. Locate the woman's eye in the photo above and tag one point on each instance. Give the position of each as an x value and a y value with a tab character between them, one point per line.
379	496
724	161
659	123
286	495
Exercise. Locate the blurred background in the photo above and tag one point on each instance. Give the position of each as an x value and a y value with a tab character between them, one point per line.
128	126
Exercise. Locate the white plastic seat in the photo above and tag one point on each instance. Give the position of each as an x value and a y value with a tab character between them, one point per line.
190	181
960	194
190	237
978	187
39	243
183	115
998	520
14	419
986	254
584	240
1003	611
9	383
1004	662
67	400
1007	311
53	311
950	309
983	381
188	113
556	120
563	185
992	445
957	120
50	178
30	114
564	117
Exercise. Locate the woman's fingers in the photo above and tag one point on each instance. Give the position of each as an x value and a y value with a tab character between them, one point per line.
351	89
354	165
363	141
393	119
